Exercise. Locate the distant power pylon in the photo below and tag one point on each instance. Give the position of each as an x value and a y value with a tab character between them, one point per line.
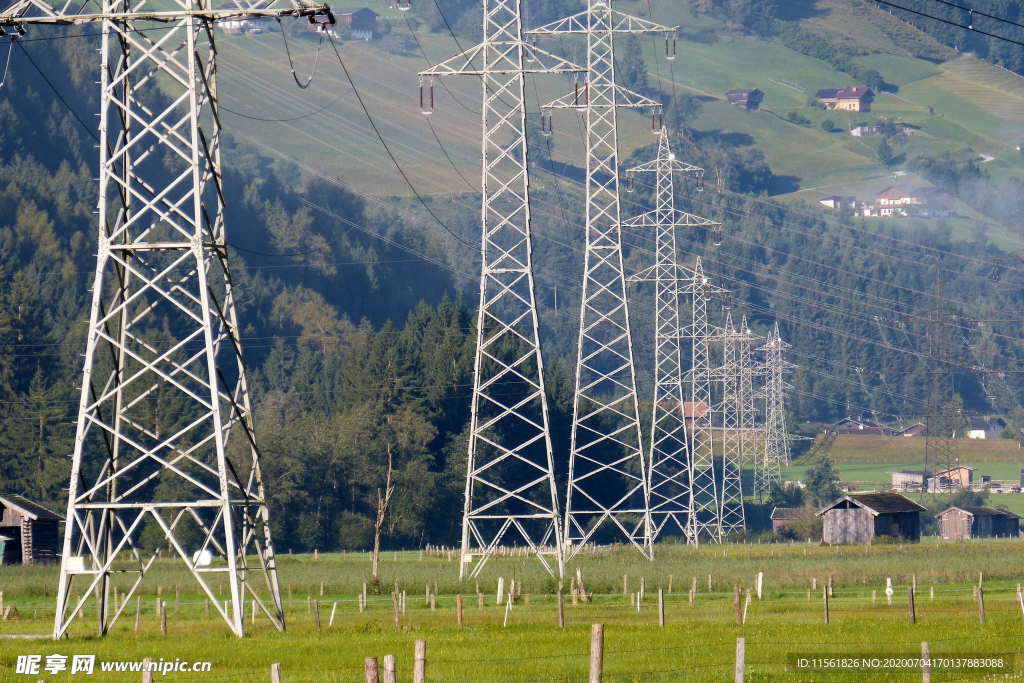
668	460
943	420
751	438
162	329
608	482
734	410
706	513
510	482
776	437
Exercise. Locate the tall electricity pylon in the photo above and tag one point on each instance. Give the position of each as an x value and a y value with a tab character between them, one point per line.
733	420
943	420
776	438
706	516
165	439
751	437
608	481
510	481
668	458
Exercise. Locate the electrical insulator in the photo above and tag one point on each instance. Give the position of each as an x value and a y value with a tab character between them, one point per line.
700	181
330	18
531	47
403	5
716	235
582	96
670	48
427	98
630	182
657	122
20	29
546	125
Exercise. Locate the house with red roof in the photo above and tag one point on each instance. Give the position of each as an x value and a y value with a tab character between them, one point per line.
846	99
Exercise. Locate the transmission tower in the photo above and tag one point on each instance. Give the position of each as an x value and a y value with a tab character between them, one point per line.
776	438
608	481
943	420
510	482
193	476
751	437
734	438
706	514
668	455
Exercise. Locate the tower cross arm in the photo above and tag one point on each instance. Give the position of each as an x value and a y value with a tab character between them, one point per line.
670	165
27	12
677	219
623	98
620	23
470	62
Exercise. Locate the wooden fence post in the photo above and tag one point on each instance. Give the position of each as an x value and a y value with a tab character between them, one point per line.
147	673
661	607
561	609
138	612
458	610
824	595
163	618
275	672
741	655
910	605
334	609
398	613
760	584
596	653
389	669
370	674
926	665
419	666
981	605
316	614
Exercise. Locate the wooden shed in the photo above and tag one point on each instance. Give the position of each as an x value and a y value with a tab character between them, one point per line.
959	523
861	517
782	517
34	530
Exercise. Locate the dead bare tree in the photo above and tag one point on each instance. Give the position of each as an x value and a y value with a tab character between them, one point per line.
383	502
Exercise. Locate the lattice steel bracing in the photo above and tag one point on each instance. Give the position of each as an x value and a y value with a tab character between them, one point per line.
706	518
668	454
733	421
607	489
943	421
510	483
751	436
776	438
164	441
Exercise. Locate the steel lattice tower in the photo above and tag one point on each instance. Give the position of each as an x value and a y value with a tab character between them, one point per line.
751	437
608	481
510	482
668	458
706	517
776	438
943	421
734	419
162	328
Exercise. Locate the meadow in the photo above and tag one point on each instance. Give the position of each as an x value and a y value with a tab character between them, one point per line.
697	641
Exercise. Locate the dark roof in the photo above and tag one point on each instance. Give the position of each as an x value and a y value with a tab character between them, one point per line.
981	511
26	507
784	513
827	93
878	503
352	10
921	472
853	93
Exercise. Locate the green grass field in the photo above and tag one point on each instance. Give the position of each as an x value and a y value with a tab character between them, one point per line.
697	642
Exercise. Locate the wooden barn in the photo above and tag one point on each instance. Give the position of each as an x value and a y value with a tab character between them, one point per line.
861	517
782	517
959	523
34	531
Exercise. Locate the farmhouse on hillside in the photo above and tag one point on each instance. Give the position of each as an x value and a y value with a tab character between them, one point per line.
846	99
33	530
862	517
960	523
985	428
746	98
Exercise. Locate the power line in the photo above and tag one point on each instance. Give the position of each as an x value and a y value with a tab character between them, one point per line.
387	149
56	92
951	23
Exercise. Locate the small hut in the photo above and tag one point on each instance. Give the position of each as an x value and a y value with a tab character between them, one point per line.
861	517
782	517
959	523
34	531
